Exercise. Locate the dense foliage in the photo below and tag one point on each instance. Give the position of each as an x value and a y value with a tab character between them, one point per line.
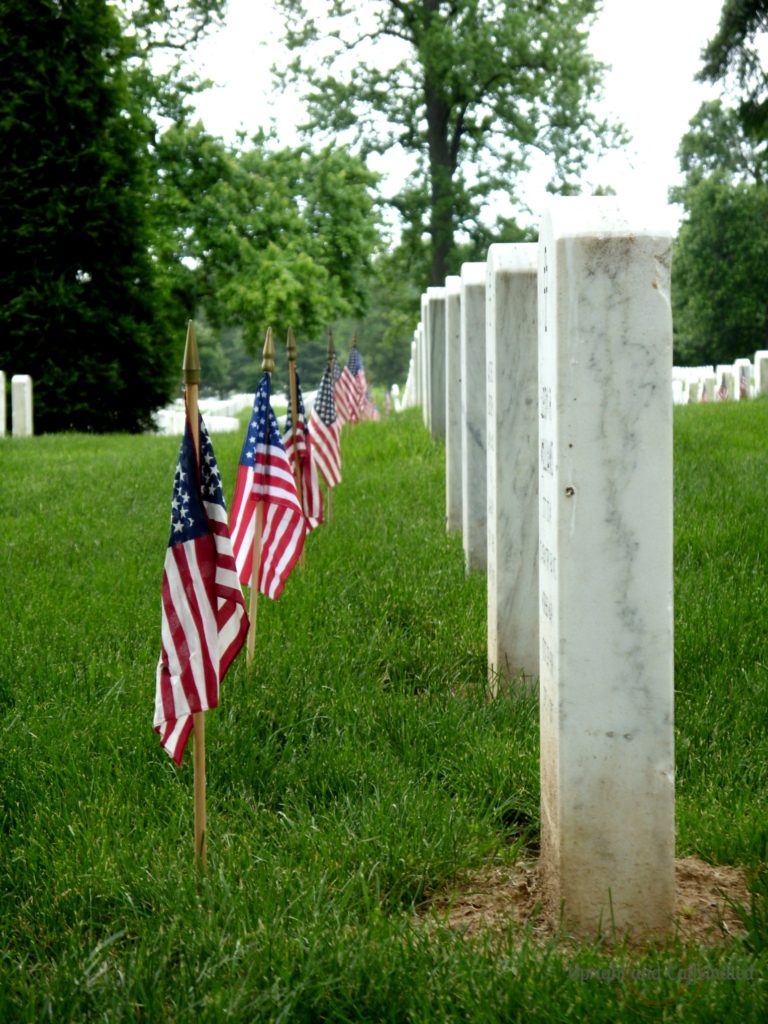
125	219
78	295
720	264
736	52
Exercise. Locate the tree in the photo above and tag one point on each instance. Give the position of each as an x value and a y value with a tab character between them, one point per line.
257	236
82	307
735	52
720	260
720	272
76	298
477	86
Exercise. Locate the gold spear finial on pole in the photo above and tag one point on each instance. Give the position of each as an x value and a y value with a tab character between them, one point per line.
268	362
191	364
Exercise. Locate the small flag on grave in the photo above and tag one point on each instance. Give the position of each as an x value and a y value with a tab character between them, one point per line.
300	441
204	623
325	431
353	384
343	410
264	477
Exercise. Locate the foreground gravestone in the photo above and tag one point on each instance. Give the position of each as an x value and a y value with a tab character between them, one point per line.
512	462
2	404
452	403
473	471
436	322
605	529
21	405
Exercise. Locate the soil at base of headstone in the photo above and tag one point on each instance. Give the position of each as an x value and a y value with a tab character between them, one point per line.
484	903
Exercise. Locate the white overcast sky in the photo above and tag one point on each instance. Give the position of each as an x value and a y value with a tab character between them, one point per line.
653	47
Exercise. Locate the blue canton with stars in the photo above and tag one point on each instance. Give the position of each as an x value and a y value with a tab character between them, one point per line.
355	362
262	428
188	519
325	406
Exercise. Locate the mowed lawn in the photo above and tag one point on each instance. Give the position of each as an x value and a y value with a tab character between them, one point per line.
355	770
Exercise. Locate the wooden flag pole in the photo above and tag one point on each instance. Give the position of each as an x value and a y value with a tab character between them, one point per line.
331	353
268	366
191	371
291	346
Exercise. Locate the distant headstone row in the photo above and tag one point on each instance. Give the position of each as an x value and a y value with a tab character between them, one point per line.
547	371
22	423
737	381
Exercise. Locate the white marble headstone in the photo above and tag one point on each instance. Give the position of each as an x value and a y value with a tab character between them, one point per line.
21	405
725	388
512	462
761	372
605	541
424	343
473	471
742	379
436	342
453	403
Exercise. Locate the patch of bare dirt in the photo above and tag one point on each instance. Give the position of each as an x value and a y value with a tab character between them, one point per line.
486	901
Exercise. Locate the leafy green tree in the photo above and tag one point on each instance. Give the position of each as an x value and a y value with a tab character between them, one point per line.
479	85
735	53
720	260
257	236
720	272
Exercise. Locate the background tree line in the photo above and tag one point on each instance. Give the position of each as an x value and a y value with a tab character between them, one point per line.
124	216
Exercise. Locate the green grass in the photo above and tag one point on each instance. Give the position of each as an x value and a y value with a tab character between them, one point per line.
354	771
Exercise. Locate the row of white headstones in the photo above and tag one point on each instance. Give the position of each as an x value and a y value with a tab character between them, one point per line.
742	379
546	369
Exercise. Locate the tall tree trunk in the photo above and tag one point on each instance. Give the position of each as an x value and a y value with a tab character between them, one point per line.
441	173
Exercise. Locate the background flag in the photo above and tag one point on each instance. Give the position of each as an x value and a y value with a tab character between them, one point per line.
204	623
353	385
325	429
301	440
343	410
264	474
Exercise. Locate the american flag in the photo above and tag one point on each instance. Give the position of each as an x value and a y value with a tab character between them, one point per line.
264	474
343	410
311	495
353	385
325	429
743	389
722	391
204	623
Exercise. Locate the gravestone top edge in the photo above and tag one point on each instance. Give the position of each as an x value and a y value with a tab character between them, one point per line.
473	273
605	217
452	284
435	292
512	256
